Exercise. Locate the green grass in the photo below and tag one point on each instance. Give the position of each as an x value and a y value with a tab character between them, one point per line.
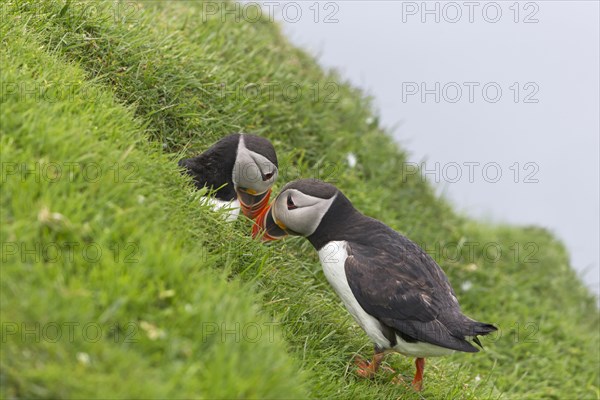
188	306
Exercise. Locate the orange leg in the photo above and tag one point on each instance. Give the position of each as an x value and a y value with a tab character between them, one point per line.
368	369
417	383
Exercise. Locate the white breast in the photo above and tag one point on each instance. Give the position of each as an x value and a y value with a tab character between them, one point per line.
333	257
232	207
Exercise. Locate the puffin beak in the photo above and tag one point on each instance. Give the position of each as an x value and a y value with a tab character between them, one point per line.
251	203
266	226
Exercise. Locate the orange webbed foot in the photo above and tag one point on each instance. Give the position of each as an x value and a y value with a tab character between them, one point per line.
368	369
364	367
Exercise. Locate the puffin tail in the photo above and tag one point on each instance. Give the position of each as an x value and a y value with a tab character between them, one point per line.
481	328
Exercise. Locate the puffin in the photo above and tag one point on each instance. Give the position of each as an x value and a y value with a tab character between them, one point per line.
394	290
241	169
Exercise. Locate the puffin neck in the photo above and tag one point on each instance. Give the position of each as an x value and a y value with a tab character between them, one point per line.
339	223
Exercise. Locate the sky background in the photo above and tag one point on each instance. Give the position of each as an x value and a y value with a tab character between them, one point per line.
517	84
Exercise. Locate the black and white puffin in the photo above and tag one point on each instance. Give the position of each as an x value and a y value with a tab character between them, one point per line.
241	168
394	290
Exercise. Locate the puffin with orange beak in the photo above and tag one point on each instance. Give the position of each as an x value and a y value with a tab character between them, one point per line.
394	290
241	169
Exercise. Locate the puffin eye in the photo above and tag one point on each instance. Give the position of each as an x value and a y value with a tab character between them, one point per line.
290	203
268	176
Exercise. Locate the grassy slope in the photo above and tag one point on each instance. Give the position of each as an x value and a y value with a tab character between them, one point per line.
164	80
164	352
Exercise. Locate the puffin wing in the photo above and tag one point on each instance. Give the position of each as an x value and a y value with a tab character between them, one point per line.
408	292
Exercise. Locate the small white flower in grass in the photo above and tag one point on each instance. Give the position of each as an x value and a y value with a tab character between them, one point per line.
477	378
165	294
141	198
83	358
472	267
351	160
45	216
369	120
466	286
152	331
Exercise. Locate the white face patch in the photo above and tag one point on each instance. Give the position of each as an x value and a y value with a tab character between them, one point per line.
300	212
251	168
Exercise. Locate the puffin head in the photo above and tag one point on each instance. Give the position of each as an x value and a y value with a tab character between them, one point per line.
297	210
255	171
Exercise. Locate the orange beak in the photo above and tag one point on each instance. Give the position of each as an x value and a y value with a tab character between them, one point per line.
266	228
253	204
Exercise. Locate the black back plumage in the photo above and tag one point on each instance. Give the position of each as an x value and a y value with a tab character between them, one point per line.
396	281
213	168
